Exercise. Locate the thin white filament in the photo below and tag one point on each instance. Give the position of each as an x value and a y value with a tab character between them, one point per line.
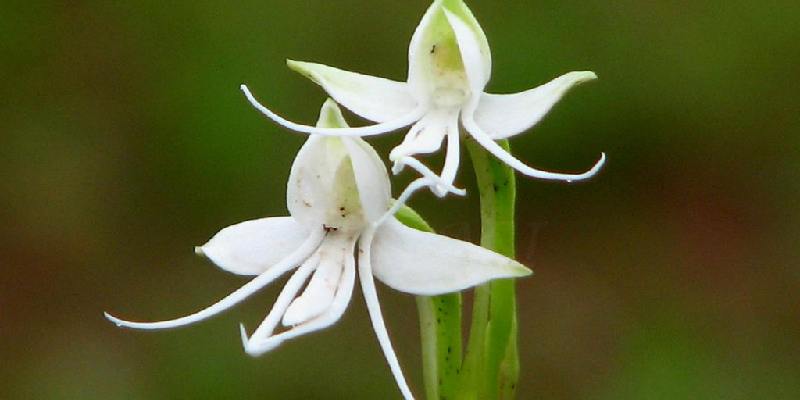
451	159
417	184
490	145
292	260
374	308
429	175
376	129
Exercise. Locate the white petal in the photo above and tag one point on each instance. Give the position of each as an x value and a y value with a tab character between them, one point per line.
322	190
376	129
250	247
426	140
460	10
428	264
376	99
505	115
288	293
302	253
476	58
425	136
492	147
339	182
374	309
330	116
434	52
310	189
332	314
319	293
374	188
422	42
317	296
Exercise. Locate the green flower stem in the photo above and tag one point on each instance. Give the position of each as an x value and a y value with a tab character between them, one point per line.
471	382
498	360
440	330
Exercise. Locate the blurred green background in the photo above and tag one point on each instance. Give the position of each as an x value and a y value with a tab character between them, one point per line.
124	141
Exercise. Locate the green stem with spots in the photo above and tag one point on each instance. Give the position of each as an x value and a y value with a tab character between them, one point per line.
440	330
491	366
472	372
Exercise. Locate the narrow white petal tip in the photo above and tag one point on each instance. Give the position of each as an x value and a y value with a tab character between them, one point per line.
255	348
397	167
593	171
199	251
458	192
588	174
121	323
301	67
441	188
517	270
581	76
243	334
250	347
294	63
116	321
441	191
261	349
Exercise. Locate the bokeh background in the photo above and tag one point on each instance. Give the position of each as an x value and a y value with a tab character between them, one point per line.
124	141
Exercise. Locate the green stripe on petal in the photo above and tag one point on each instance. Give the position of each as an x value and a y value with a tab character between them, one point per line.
460	9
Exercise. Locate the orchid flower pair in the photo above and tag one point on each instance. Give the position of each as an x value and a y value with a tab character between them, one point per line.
339	193
338	197
449	65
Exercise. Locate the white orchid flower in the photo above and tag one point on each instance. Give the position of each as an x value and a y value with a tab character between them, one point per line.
338	196
449	65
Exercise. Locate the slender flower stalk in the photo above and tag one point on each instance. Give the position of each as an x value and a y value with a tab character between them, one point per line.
499	359
338	198
440	330
449	65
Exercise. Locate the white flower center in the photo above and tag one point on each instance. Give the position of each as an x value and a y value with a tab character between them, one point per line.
449	97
